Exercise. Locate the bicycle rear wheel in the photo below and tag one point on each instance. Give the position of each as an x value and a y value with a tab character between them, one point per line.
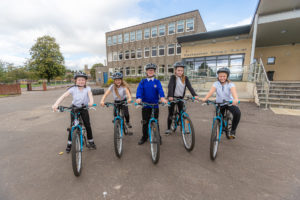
229	118
173	123
214	140
155	143
188	133
76	153
118	141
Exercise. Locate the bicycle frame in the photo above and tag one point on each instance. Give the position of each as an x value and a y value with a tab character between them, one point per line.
219	117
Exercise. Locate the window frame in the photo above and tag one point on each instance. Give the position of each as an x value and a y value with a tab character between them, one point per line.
173	25
159	48
141	34
169	48
154	28
132	33
186	27
155	51
147	30
177	24
146	51
159	28
119	39
126	34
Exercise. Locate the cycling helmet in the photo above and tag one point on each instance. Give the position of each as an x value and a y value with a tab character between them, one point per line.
225	70
80	74
117	75
150	66
179	64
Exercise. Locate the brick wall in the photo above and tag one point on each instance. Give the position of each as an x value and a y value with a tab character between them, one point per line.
10	89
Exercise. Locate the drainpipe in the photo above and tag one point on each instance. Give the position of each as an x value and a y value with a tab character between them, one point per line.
254	38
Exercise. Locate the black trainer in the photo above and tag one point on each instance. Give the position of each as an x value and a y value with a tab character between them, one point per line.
232	134
91	145
128	125
142	140
68	149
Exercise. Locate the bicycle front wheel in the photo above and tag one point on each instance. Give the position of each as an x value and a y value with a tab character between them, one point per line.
188	133
76	153
214	140
155	143
118	141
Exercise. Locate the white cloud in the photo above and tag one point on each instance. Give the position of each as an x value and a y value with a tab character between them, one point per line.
79	26
239	23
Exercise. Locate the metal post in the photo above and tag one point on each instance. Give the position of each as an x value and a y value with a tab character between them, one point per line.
254	38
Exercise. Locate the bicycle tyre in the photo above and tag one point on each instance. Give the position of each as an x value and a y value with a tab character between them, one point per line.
76	153
214	140
229	118
188	137
155	143
118	141
173	123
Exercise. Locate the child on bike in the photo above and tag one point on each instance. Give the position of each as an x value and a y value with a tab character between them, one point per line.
82	96
149	91
121	92
226	91
176	88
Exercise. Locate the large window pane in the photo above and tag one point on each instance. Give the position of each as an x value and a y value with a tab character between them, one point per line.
139	35
154	31
120	39
171	49
139	53
162	30
126	37
147	52
132	54
154	52
180	26
190	24
109	42
127	55
132	36
114	39
147	33
161	50
212	67
171	28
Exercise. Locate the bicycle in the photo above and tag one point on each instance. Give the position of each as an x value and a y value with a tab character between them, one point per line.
153	132
119	127
183	120
220	124
78	137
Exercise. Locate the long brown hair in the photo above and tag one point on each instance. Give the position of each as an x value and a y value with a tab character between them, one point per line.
182	78
123	84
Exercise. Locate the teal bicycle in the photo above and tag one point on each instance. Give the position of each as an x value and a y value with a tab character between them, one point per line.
221	124
153	132
78	137
183	120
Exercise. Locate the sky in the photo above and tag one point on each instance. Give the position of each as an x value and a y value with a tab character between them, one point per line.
79	26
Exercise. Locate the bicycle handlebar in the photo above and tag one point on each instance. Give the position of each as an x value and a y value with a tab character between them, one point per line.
150	104
193	99
63	108
219	104
107	104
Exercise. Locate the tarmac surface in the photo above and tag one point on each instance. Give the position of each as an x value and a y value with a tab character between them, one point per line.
262	163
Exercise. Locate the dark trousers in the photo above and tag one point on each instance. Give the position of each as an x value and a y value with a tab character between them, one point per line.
236	115
171	111
124	109
84	114
146	116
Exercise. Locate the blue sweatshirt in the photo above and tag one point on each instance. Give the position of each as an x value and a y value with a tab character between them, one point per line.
150	91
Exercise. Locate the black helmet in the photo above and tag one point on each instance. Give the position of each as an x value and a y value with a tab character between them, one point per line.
117	75
80	74
150	66
179	64
225	70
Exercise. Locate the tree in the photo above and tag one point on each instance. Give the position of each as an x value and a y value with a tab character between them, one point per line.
46	58
93	70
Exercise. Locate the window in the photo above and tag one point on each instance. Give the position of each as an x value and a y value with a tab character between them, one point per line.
111	71
139	71
115	56
271	61
189	25
109	57
161	69
126	37
153	52
114	39
132	55
127	71
132	69
120	39
139	53
109	41
154	31
170	69
132	36
127	55
180	26
121	70
178	49
147	33
171	49
139	35
116	69
162	30
171	28
147	52
161	50
120	55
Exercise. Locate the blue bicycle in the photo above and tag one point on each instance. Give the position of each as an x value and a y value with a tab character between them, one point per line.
119	126
153	132
220	124
183	120
78	137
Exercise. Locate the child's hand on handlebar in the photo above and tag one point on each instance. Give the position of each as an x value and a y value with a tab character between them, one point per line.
54	107
163	100
235	102
102	103
138	100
